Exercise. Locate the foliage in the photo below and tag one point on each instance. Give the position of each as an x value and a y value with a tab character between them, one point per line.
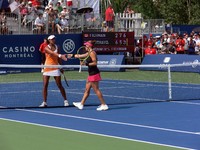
173	11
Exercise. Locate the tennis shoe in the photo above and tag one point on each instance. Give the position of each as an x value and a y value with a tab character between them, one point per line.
44	104
66	103
78	105
102	107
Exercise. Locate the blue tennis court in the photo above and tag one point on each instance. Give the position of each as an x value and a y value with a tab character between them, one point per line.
139	111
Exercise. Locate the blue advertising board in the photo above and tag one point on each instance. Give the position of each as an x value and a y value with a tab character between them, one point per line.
24	49
110	60
172	59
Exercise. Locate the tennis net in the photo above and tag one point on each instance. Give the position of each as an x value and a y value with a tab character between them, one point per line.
22	85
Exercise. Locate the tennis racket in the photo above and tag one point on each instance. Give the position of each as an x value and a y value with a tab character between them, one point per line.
83	53
65	78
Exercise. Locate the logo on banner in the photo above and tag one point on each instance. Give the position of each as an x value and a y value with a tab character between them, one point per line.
68	46
113	61
166	59
195	63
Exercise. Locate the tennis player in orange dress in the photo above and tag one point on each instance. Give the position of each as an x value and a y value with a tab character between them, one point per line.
53	58
93	78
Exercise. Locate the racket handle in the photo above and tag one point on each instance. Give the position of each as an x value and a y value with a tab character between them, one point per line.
79	69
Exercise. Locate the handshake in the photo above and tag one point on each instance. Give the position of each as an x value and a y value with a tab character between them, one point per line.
83	61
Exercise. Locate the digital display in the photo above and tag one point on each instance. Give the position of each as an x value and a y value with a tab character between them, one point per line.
111	41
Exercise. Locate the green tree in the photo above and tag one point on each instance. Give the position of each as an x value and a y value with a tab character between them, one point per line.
173	11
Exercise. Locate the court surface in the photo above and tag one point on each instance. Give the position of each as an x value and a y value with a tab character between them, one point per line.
126	125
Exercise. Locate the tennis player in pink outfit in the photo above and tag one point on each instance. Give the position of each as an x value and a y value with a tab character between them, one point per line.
93	78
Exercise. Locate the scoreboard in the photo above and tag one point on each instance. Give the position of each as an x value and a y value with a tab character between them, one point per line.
107	42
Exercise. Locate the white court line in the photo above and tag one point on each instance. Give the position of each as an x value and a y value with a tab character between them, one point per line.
150	83
104	135
108	121
198	133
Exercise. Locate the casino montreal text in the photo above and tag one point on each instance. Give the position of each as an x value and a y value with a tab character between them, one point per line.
18	52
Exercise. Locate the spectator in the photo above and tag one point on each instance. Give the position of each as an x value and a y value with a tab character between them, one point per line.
150	51
66	12
157	42
197	41
185	38
3	23
40	24
69	3
62	3
42	51
109	18
45	3
63	25
180	45
53	3
191	46
150	41
164	48
23	11
128	10
90	19
59	7
30	16
51	19
128	25
46	14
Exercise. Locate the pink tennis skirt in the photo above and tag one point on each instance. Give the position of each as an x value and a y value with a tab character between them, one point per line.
93	78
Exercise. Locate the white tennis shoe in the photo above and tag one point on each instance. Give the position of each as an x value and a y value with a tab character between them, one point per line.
102	107
44	104
78	105
66	103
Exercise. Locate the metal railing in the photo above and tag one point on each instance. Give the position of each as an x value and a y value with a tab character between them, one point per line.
79	23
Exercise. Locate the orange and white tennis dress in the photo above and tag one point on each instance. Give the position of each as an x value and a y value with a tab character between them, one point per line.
51	60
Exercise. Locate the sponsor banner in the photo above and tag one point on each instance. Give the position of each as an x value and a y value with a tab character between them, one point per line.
110	60
24	49
172	59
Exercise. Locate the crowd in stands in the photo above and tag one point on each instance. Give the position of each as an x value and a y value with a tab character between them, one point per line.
54	13
58	16
169	44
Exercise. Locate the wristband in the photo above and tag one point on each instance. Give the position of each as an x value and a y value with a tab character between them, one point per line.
73	55
87	64
59	55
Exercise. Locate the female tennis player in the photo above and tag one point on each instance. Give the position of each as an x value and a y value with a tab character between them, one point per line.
53	58
93	78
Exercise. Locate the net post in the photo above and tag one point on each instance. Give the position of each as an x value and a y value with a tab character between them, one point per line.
169	82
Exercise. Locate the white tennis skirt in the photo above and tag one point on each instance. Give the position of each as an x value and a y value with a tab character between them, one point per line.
52	73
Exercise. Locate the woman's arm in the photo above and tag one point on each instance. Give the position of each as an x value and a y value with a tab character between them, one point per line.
49	51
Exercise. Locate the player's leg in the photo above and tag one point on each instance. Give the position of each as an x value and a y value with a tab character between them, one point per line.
86	93
80	105
45	90
62	90
95	86
45	87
